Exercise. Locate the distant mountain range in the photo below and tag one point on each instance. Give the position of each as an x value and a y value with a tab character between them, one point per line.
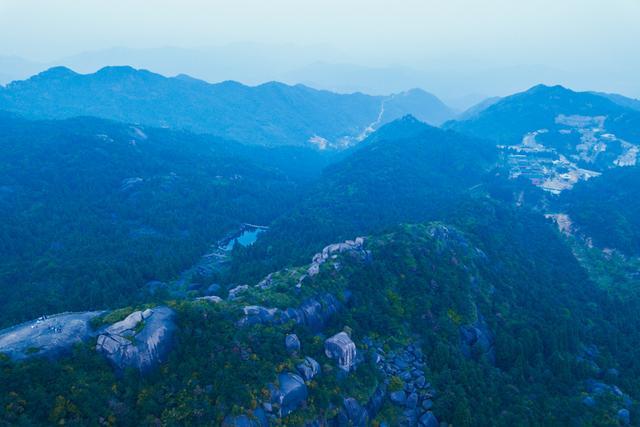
271	114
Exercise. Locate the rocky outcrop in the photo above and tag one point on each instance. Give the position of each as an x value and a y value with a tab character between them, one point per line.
235	292
292	392
331	251
292	344
429	420
48	336
341	348
411	392
142	340
353	414
313	313
309	369
477	341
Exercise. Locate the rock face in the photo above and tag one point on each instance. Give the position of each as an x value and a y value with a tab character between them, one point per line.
292	392
353	414
477	341
313	313
309	368
48	336
292	343
341	348
415	396
429	420
140	341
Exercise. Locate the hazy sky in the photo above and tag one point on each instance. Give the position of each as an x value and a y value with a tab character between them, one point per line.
594	40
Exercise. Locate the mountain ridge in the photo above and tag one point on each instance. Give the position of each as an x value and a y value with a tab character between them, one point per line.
270	114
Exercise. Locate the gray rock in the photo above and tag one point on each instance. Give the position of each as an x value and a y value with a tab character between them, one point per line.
477	341
341	348
313	313
429	420
292	343
353	414
235	292
412	401
255	314
410	416
597	387
292	392
427	404
376	401
354	246
48	336
309	368
421	382
398	397
624	417
261	416
140	341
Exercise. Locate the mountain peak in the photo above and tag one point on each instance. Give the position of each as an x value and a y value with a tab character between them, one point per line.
56	73
405	127
119	70
542	88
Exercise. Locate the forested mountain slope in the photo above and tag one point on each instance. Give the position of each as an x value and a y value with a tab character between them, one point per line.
406	172
91	209
607	209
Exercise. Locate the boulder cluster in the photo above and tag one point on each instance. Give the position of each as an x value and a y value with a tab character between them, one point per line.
601	389
291	390
141	340
477	341
407	385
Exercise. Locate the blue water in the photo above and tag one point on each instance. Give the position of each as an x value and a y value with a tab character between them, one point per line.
247	238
